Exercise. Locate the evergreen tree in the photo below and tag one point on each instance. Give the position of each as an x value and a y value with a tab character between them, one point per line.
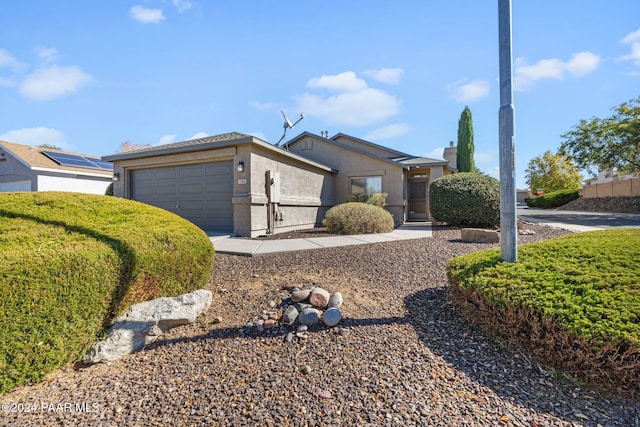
464	161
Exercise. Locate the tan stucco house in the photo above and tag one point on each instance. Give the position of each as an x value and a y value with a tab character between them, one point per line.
238	183
27	168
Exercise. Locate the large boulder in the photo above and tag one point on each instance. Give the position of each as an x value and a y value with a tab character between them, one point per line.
143	323
479	235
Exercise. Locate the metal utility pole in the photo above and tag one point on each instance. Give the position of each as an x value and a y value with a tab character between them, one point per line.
508	220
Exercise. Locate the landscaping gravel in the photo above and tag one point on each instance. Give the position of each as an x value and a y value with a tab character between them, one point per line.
401	355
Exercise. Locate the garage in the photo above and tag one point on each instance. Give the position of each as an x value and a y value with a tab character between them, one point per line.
200	193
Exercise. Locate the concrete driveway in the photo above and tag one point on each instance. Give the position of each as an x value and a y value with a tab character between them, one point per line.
578	220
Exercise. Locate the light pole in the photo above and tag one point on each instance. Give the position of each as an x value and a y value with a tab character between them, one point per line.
508	222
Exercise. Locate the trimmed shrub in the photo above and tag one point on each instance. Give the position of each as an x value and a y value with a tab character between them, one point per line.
466	200
109	190
553	199
71	262
358	218
571	303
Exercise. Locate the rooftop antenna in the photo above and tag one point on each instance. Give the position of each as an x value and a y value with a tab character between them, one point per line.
288	125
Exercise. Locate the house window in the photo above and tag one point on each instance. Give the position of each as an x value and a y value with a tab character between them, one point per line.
366	186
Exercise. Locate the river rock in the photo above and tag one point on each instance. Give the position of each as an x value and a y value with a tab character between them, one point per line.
331	317
335	300
319	297
301	295
301	306
309	316
290	315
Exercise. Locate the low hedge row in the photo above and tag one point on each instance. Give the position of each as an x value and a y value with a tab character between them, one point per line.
70	262
552	200
572	302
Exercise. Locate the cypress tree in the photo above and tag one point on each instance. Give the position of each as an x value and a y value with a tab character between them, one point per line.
464	161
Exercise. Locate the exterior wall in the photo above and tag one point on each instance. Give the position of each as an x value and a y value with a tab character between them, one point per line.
305	193
623	188
15	176
351	164
77	184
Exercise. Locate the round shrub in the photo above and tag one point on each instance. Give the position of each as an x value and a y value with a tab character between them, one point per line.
70	262
358	218
466	199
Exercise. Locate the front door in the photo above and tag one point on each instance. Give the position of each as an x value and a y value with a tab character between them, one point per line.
418	199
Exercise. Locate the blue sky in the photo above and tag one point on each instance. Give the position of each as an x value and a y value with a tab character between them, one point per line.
88	75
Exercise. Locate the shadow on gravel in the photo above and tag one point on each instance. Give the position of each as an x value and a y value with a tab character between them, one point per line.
510	375
477	356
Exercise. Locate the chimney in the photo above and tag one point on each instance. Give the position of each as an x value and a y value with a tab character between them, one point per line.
451	155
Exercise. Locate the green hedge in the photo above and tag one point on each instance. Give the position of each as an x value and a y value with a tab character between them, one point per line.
358	218
467	199
70	262
573	302
553	200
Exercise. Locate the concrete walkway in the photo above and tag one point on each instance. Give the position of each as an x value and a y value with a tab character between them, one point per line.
225	244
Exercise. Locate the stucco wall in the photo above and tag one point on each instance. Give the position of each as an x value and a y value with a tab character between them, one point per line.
305	192
351	164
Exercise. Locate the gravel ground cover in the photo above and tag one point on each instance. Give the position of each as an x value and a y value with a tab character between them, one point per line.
402	355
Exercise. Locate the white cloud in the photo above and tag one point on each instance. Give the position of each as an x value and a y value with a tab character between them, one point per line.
632	39
486	157
262	106
343	82
167	139
436	153
182	5
386	75
465	91
582	63
37	136
355	104
199	135
361	108
388	132
9	61
52	82
145	15
47	54
579	65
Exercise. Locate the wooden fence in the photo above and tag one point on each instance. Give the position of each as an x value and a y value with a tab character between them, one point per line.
624	188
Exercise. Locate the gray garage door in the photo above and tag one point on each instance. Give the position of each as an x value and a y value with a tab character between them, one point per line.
200	193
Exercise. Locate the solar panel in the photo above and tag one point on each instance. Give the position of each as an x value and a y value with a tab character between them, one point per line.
77	161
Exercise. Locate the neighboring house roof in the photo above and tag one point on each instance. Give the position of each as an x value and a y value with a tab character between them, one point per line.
397	158
209	143
34	159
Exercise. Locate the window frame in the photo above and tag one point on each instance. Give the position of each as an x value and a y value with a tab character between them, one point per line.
366	185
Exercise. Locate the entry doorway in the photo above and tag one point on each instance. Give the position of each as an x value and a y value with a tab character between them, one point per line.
418	200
